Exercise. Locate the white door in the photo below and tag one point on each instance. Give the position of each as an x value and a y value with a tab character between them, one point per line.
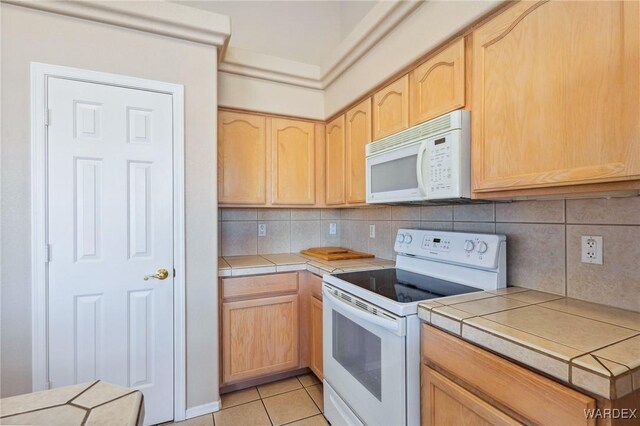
110	224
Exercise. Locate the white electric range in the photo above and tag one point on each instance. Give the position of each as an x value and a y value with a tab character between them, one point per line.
371	330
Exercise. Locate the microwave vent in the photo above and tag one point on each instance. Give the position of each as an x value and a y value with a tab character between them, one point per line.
421	131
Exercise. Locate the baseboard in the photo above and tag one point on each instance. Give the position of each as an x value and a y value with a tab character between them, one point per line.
201	410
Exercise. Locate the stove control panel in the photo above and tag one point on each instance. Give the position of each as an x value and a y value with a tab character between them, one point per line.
469	249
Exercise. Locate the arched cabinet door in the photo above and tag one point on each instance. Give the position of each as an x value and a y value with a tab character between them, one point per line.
556	95
242	158
335	162
391	108
293	162
438	86
357	135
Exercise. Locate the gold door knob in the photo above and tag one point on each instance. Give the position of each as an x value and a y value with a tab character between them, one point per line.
162	274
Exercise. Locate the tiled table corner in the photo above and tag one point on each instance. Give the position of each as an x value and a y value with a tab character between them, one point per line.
92	403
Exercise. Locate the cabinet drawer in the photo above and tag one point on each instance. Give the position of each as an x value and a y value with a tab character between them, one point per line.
530	395
259	285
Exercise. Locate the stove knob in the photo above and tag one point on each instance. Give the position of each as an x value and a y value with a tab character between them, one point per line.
408	238
482	247
469	246
400	238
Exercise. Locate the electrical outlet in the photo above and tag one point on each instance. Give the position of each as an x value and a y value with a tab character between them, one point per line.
372	231
262	230
592	247
333	228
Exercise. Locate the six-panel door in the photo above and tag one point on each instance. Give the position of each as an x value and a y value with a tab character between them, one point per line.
242	158
110	224
293	162
556	102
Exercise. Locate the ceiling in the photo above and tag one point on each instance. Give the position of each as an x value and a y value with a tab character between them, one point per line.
297	30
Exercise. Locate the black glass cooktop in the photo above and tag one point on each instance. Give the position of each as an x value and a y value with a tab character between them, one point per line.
403	286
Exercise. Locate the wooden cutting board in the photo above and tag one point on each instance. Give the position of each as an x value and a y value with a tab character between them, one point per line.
335	253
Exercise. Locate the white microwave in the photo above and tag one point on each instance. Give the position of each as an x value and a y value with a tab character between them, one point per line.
426	162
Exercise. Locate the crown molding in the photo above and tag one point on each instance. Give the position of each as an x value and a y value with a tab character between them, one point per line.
383	18
267	67
158	17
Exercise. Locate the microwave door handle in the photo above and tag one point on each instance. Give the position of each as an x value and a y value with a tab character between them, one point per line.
387	324
421	151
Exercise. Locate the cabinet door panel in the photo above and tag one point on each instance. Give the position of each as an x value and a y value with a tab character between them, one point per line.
555	102
446	403
335	162
391	108
260	337
438	85
526	391
357	135
293	161
242	158
316	337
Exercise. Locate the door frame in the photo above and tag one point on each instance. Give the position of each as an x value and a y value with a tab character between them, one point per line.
40	73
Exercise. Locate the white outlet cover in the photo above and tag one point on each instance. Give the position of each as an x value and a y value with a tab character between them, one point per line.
372	231
333	228
592	247
262	230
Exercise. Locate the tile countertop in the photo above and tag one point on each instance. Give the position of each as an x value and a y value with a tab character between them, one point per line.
93	403
235	266
590	346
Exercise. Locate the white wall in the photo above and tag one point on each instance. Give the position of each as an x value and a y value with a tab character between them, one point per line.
304	31
427	27
28	35
267	96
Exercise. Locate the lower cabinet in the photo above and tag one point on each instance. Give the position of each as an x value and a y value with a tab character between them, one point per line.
315	326
259	334
270	324
462	384
446	403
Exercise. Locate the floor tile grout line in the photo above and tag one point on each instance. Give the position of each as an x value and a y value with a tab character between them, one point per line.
304	418
266	411
296	420
314	401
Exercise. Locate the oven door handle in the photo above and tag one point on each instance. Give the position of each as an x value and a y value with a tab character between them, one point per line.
421	186
396	327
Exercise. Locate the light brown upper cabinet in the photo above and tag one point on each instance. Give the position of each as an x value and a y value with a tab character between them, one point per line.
437	86
391	108
554	101
335	162
357	135
242	158
293	162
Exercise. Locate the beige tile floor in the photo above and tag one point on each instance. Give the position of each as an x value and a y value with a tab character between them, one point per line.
296	401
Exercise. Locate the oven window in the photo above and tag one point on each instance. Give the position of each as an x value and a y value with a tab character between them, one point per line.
395	175
359	351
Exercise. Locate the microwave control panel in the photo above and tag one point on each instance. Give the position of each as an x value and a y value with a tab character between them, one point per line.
440	165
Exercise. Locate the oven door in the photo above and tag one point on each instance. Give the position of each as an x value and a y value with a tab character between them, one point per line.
397	175
364	352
